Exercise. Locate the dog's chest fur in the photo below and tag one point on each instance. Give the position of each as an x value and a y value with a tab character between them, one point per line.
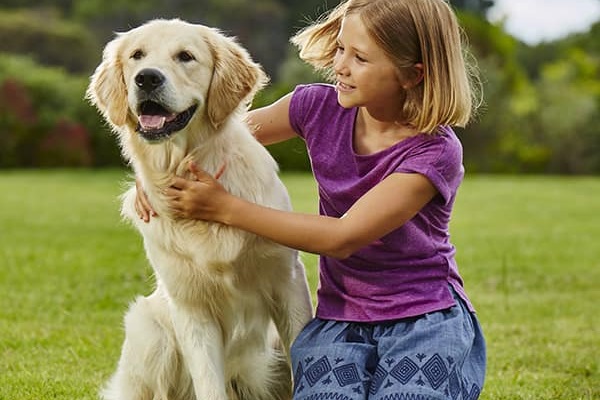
215	261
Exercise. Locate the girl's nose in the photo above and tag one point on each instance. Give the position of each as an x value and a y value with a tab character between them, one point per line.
339	65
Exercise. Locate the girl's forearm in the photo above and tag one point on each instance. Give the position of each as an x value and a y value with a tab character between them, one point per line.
306	232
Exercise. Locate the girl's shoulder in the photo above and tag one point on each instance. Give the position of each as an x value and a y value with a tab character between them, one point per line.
315	93
315	106
316	88
444	141
436	156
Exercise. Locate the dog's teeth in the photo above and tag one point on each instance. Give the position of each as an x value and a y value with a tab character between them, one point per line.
152	121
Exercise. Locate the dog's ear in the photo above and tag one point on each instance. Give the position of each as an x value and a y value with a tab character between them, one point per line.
236	78
107	90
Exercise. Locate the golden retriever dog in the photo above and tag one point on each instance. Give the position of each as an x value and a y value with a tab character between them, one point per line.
227	304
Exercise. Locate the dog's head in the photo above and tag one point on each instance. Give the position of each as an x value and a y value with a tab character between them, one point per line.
157	78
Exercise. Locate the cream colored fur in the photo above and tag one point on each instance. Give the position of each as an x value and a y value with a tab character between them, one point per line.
227	304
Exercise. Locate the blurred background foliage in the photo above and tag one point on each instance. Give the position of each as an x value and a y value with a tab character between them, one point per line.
541	111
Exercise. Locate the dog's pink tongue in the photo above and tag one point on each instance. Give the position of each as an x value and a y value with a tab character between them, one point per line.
152	121
155	121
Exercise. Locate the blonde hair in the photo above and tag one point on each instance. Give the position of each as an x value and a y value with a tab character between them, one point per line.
410	32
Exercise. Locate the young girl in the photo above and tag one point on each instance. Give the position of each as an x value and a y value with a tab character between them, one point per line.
393	320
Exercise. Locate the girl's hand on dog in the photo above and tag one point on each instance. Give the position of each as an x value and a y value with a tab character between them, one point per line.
143	208
202	198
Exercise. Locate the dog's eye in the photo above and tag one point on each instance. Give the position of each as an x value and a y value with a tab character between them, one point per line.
138	54
185	56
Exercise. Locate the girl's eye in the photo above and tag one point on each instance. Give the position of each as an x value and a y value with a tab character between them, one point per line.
359	58
185	56
137	55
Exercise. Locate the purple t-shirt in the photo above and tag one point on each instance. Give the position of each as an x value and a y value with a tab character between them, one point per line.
408	271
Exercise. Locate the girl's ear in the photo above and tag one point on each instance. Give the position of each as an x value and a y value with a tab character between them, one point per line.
420	73
413	76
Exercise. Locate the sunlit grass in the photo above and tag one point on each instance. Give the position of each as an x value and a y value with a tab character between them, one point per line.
527	248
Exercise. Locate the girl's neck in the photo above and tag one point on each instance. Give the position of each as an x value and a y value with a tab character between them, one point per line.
372	135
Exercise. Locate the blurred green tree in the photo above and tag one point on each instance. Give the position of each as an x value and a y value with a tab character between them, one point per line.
540	114
48	38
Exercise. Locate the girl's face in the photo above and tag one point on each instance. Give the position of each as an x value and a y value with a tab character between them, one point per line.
365	76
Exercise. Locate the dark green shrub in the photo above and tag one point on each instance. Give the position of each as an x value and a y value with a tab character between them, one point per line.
48	39
45	120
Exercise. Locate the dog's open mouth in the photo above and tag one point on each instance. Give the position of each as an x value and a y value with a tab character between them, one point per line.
156	123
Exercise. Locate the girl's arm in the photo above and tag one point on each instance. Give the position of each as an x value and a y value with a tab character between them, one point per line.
271	124
384	208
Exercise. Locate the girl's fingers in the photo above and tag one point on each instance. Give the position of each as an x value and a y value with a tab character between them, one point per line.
202	175
178	183
142	205
220	171
147	207
141	210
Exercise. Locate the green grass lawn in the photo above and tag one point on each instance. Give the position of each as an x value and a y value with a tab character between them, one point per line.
527	248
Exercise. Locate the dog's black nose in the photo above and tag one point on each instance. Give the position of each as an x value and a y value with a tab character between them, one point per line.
149	79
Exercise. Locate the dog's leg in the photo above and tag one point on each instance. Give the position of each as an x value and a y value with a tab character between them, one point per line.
291	311
262	373
150	367
300	300
294	308
201	343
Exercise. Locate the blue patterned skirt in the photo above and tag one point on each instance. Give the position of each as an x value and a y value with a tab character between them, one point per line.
440	355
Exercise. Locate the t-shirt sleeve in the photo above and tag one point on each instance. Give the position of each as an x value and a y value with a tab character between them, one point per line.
310	105
299	103
439	159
